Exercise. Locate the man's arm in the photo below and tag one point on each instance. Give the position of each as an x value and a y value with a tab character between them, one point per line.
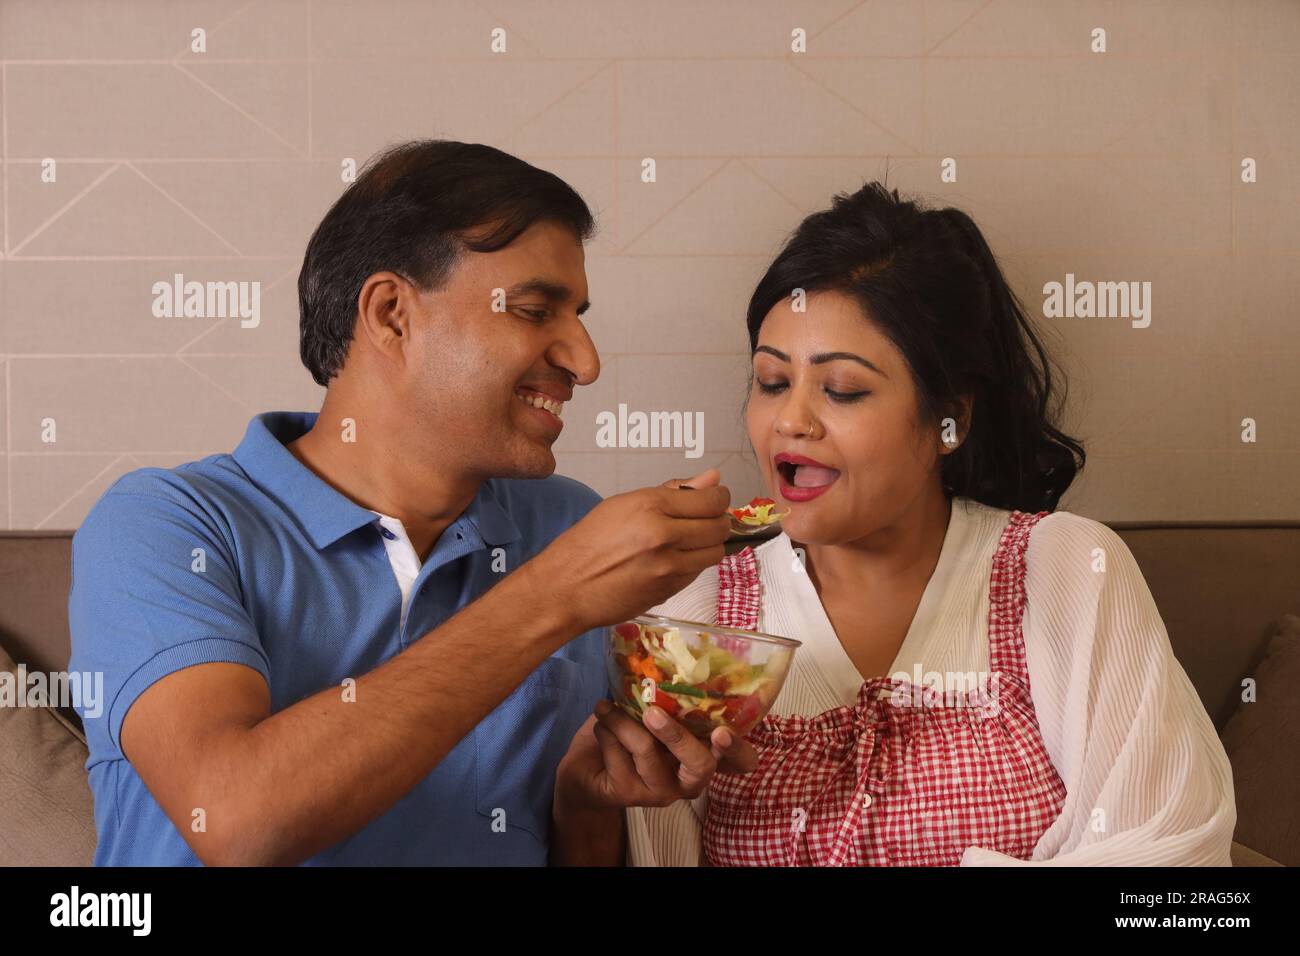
279	788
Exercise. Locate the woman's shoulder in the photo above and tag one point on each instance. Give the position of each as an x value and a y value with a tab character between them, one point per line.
1085	590
1065	530
1067	548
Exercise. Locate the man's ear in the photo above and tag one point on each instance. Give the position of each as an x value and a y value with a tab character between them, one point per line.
383	311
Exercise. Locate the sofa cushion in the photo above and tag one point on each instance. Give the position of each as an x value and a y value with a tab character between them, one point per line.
47	815
1262	739
1245	856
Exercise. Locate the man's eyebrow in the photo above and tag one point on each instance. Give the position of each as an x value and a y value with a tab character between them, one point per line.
824	357
547	288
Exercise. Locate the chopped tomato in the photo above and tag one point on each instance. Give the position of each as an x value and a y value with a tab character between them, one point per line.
742	711
666	702
628	631
757	512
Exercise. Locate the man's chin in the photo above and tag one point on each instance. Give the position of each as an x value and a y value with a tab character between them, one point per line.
535	462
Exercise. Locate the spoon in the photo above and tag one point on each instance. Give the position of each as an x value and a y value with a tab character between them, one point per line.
748	529
773	520
738	527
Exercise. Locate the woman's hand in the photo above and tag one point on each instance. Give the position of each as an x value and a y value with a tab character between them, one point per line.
614	761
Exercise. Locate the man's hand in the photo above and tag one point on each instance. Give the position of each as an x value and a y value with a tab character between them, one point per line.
635	550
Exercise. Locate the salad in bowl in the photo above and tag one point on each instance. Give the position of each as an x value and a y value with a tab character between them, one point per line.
701	675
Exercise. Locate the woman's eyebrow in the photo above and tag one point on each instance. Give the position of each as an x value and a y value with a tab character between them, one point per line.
547	288
824	357
845	356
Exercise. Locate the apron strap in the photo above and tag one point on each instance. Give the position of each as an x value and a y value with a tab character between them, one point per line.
1007	597
739	592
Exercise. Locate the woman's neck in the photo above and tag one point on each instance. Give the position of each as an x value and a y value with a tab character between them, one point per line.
900	554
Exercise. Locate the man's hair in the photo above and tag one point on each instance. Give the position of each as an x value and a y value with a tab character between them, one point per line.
415	207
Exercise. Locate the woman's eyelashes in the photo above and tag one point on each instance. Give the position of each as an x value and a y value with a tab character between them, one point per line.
773	388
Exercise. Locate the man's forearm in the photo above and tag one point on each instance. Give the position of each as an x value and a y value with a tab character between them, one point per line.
318	771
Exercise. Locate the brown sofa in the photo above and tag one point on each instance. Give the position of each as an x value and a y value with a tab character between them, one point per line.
1218	587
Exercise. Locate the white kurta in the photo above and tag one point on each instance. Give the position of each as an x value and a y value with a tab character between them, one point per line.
1148	782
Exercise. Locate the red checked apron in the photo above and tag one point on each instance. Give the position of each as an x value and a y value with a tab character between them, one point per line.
884	784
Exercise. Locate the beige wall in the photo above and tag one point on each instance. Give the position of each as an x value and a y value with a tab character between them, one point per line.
1115	166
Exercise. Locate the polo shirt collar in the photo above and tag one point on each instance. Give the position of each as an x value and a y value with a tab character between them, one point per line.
324	513
492	522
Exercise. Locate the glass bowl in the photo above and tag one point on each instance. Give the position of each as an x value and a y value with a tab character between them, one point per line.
701	675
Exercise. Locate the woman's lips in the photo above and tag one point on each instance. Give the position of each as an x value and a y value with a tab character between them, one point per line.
809	481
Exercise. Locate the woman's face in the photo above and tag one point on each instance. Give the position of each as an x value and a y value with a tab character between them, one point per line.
829	387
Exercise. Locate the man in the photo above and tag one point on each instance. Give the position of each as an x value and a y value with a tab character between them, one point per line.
373	635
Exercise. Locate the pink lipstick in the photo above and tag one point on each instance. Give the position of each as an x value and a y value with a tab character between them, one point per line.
802	478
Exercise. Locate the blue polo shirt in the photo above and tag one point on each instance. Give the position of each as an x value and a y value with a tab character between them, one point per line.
252	559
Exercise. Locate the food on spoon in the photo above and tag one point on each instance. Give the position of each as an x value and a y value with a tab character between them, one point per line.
708	685
758	512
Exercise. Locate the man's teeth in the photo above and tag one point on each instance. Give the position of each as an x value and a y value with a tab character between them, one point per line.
537	401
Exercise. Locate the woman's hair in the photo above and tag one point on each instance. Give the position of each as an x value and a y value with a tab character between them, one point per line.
415	207
928	280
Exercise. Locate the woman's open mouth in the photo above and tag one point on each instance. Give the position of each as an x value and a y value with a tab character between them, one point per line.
802	479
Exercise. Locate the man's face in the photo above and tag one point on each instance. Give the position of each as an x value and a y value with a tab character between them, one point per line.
476	373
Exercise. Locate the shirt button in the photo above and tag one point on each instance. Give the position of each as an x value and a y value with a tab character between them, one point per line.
866	800
388	534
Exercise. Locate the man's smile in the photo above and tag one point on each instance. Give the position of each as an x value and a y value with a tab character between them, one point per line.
547	406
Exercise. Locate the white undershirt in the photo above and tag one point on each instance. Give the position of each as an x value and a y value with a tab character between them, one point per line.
1119	717
401	555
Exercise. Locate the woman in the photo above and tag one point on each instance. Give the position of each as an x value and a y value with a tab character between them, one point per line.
984	680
